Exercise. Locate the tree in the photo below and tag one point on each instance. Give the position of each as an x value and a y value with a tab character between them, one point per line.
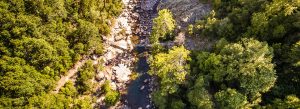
159	100
291	102
295	54
83	103
69	90
171	68
49	101
163	25
39	39
19	79
177	104
249	61
272	23
199	96
86	73
230	99
245	66
39	52
111	96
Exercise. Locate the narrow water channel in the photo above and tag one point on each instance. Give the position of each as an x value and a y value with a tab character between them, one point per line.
139	90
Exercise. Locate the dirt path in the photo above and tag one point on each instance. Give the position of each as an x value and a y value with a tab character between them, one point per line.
63	80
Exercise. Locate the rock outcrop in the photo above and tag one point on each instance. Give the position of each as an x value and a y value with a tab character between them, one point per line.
185	11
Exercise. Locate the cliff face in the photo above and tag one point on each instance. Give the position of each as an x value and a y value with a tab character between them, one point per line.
185	11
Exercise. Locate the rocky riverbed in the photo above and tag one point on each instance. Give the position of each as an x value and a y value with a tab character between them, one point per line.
121	54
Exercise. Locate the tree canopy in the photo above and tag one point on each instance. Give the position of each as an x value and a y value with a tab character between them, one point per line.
39	42
163	25
171	68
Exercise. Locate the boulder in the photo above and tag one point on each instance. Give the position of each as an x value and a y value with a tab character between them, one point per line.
122	73
122	44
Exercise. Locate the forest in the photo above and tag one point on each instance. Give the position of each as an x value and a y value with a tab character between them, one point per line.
255	62
40	40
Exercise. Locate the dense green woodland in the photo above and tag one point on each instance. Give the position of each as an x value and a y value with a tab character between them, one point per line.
255	62
40	40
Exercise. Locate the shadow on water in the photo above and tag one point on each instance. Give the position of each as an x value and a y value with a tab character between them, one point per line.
138	90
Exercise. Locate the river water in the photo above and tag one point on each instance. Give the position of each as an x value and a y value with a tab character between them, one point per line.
139	90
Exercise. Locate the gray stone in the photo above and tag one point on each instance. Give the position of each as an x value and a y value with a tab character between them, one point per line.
186	11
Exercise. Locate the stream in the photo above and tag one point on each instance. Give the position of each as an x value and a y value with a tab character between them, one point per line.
139	90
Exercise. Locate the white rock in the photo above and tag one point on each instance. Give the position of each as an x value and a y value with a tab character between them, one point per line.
113	85
108	55
122	73
142	88
122	43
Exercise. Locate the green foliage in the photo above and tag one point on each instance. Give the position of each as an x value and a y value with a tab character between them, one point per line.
190	29
39	40
37	52
19	79
295	54
55	101
163	25
247	62
86	73
199	96
106	87
239	71
235	73
83	103
230	99
286	57
159	99
69	90
171	68
156	48
291	102
111	96
177	104
265	20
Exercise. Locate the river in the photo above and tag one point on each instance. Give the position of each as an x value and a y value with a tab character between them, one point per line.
139	90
